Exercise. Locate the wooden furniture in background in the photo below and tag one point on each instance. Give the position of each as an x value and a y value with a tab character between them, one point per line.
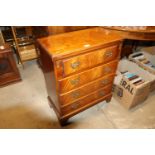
79	69
24	43
8	70
1	38
134	32
133	36
63	29
43	31
76	28
7	35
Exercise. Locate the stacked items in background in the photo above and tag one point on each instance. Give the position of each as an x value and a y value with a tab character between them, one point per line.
132	84
132	78
144	59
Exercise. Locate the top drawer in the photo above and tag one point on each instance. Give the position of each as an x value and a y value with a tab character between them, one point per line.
88	60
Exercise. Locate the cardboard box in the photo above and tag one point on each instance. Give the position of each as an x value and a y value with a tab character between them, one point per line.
149	50
148	56
126	93
151	70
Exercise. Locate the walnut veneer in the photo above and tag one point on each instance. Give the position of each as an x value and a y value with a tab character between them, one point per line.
79	69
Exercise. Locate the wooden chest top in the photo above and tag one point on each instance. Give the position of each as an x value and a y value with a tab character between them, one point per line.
76	42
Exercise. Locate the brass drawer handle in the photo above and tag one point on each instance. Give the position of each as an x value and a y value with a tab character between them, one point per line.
75	81
109	54
101	93
104	82
75	64
107	69
75	95
75	105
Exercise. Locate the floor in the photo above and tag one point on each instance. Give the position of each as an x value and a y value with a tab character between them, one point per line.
25	105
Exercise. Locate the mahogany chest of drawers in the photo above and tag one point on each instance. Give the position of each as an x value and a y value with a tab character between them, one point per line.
8	70
79	69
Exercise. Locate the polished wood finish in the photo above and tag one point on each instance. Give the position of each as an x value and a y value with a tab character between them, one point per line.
134	32
138	29
79	68
75	43
77	80
56	29
44	31
86	100
132	36
8	70
75	64
75	94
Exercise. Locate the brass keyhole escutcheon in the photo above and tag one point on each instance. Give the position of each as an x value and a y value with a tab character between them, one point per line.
75	105
108	54
75	65
75	81
75	95
107	69
101	93
104	82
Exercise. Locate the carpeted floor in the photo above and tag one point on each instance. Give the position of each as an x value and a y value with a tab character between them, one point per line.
25	105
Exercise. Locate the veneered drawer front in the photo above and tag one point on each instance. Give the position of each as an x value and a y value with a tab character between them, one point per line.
86	100
75	81
88	60
86	89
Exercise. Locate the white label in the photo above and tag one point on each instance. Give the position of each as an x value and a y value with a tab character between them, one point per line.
2	47
86	45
